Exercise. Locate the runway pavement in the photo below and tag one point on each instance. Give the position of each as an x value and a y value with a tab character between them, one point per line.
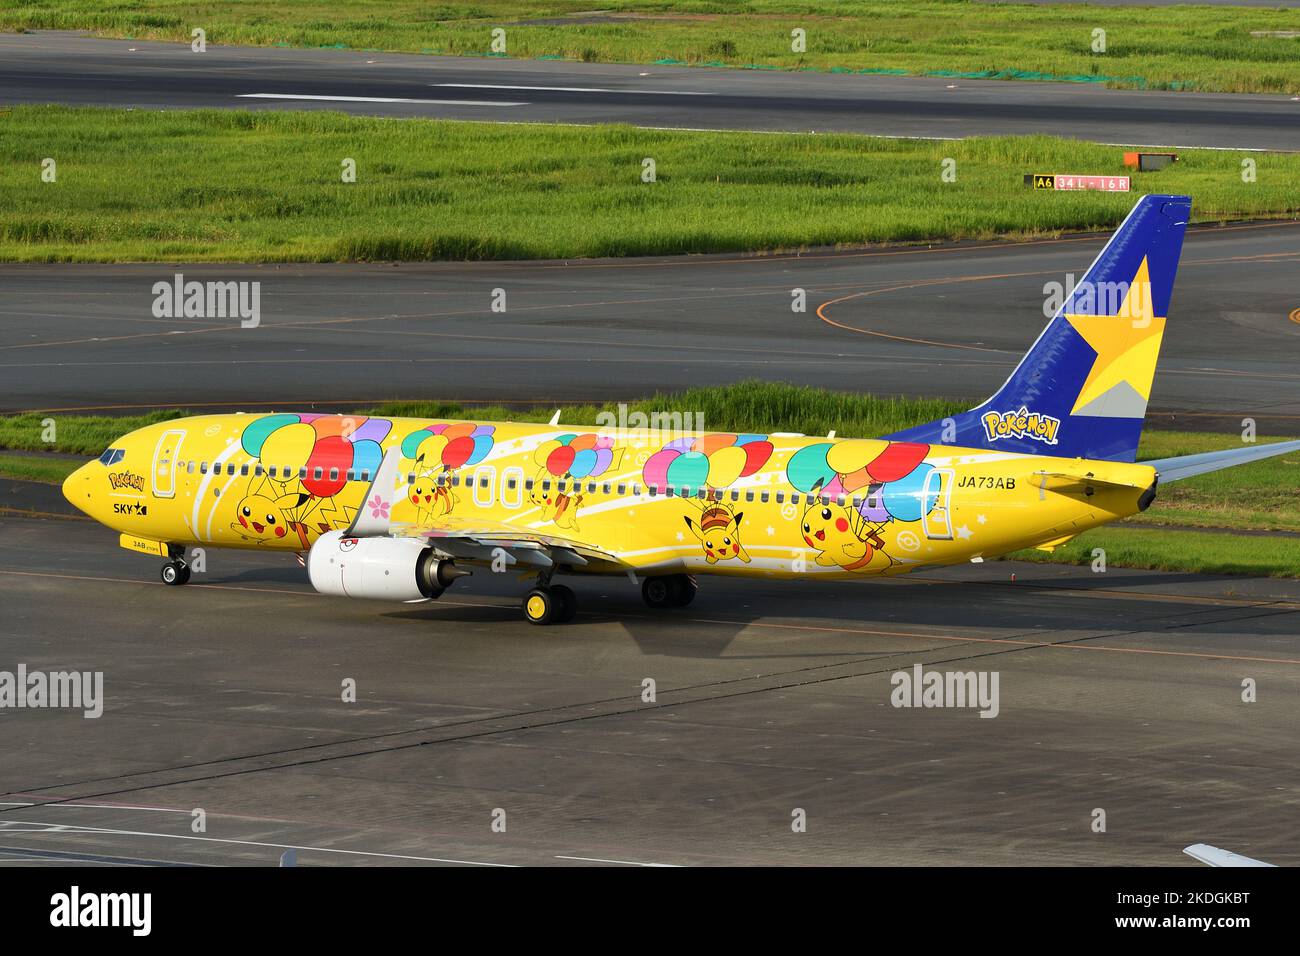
950	320
57	67
1119	691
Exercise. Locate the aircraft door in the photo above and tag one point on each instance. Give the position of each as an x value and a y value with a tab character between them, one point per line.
163	473
937	521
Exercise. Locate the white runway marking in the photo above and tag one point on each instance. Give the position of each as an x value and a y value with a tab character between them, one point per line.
592	859
567	89
110	831
371	99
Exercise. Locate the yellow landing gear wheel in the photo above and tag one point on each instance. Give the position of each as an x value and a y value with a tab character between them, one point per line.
540	607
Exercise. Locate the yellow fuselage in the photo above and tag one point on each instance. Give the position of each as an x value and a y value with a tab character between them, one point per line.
694	502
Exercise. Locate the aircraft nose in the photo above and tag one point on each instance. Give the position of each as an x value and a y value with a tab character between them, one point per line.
76	487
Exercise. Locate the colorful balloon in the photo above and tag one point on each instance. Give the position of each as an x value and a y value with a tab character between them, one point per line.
897	460
715	460
905	499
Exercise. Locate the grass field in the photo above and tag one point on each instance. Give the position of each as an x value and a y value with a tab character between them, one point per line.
1198	551
1259	497
1202	48
243	186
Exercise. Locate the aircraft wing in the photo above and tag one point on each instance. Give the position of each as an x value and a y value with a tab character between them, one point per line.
1213	856
473	539
1187	466
467	539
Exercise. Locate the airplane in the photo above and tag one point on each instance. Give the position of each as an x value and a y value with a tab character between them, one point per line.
399	509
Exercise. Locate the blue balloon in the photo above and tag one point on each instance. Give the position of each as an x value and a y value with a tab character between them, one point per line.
482	445
906	499
583	462
366	456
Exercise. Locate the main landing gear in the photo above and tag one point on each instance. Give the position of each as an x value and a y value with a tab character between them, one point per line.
549	603
669	590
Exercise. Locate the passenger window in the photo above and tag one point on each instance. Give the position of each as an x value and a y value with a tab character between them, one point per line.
749	496
528	484
334	474
510	483
839	500
604	489
189	467
652	490
203	468
365	474
257	470
319	473
735	494
302	472
546	484
243	471
636	489
230	469
780	497
440	480
410	479
762	496
591	487
622	490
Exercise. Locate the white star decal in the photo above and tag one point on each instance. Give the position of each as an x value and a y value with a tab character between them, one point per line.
680	536
982	518
770	531
964	533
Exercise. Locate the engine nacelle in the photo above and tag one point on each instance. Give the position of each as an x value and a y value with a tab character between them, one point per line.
383	569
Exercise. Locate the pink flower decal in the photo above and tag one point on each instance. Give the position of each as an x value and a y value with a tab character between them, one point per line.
378	507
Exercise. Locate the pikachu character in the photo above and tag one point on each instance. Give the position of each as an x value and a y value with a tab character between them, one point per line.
843	537
719	533
269	511
559	503
430	497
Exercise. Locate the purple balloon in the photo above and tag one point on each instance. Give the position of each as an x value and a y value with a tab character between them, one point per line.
372	429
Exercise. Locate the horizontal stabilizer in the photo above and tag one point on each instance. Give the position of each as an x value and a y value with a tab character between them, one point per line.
1188	466
1213	856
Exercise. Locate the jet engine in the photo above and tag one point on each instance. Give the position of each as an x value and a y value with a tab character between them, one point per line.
384	569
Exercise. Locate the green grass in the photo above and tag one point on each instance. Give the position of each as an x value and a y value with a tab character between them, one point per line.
50	471
1197	551
1203	48
246	186
1258	496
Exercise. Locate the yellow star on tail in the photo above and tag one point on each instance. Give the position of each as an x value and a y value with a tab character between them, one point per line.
1127	343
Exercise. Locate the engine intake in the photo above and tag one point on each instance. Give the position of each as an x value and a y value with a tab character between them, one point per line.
382	569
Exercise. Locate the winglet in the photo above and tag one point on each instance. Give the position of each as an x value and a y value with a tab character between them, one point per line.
375	516
555	419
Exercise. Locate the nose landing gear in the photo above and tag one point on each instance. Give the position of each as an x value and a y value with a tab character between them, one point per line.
175	572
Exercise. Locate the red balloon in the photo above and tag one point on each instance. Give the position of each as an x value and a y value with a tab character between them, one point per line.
458	451
897	461
756	455
559	461
333	452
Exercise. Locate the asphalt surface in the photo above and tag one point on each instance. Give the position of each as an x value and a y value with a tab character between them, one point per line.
951	320
1118	691
54	67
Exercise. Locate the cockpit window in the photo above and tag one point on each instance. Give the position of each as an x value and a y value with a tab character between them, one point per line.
112	456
